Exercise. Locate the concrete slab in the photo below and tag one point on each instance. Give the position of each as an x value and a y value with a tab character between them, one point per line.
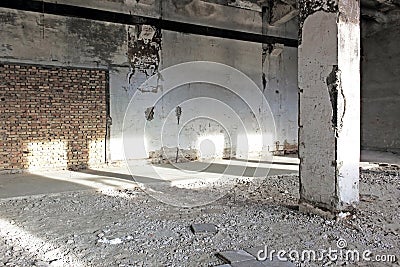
254	250
204	228
235	256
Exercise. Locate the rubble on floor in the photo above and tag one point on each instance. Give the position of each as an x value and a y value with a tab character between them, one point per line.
129	228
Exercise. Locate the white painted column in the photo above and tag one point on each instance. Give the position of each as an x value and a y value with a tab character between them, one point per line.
329	103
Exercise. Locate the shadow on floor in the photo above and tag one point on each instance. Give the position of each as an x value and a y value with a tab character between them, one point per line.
127	177
234	170
27	184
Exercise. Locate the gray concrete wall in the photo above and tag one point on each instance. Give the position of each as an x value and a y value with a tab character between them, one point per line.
381	89
34	38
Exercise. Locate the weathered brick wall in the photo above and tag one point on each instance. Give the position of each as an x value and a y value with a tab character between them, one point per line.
52	117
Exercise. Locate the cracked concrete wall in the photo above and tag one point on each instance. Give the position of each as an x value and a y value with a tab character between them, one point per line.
133	53
380	88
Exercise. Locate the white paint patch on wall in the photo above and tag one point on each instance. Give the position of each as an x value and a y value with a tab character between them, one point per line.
97	150
47	155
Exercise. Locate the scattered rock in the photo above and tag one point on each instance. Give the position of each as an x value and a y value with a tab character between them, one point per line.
114	241
201	228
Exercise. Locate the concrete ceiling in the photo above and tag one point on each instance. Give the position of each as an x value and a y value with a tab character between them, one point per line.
381	6
378	15
375	14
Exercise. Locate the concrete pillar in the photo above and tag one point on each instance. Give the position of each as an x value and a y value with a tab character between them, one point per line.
329	103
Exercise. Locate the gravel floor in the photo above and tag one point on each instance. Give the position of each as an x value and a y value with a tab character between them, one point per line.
129	228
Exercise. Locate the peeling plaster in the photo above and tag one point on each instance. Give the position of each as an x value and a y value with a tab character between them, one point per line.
334	84
264	81
149	113
144	46
331	81
178	112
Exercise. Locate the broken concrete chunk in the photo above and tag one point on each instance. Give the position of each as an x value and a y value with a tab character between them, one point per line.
235	256
114	241
255	250
368	198
202	228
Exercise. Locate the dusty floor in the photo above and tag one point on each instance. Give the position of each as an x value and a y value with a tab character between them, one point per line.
129	228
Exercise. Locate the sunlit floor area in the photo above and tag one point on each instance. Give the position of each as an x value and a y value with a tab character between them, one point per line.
136	173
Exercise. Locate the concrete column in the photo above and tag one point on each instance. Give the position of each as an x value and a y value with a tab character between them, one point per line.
329	103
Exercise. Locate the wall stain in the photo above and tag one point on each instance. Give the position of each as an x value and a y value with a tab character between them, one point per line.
8	18
264	81
99	39
178	112
149	113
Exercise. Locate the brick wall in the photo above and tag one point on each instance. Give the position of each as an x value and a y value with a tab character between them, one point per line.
52	117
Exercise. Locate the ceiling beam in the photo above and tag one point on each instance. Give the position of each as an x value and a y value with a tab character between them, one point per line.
127	19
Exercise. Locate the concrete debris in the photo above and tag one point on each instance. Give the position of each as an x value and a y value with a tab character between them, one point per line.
235	256
368	198
156	234
343	215
173	155
114	241
202	228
